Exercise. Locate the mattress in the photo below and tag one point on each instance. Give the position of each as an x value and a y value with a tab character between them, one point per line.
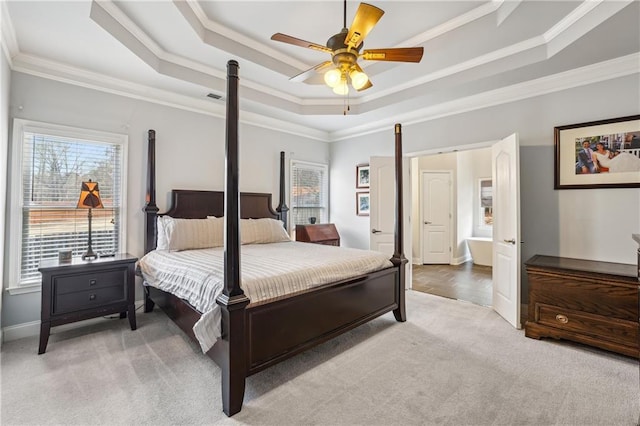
268	271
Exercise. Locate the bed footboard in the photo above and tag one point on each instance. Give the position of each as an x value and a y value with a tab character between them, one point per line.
280	329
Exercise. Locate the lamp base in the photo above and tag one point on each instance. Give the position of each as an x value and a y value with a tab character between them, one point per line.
89	255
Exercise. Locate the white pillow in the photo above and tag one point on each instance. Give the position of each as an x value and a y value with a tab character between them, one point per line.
161	233
261	231
188	234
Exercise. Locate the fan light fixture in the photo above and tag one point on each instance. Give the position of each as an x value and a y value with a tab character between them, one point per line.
338	80
345	49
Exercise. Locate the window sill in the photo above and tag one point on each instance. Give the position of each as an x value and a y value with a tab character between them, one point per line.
24	289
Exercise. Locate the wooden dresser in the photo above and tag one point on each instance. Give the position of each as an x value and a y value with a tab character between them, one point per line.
325	233
591	302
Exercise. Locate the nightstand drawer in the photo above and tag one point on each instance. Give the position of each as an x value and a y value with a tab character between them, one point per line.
70	302
90	281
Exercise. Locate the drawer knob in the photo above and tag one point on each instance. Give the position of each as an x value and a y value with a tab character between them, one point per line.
92	297
562	318
92	282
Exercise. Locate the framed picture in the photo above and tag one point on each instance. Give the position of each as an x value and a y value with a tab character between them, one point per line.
362	176
598	154
362	203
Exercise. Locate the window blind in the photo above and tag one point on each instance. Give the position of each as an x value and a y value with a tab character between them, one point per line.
53	169
309	192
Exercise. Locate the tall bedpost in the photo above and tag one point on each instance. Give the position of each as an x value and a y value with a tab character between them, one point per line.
150	209
282	208
398	258
232	301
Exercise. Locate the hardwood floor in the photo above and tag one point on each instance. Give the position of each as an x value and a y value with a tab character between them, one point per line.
468	282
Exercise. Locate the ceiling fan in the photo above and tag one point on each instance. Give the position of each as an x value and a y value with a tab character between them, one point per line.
344	48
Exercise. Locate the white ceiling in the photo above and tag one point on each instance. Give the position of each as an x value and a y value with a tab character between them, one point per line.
477	53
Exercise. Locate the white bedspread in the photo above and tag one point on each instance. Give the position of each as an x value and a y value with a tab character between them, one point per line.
268	271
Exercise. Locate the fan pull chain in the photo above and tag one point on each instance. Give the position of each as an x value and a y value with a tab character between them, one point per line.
345	106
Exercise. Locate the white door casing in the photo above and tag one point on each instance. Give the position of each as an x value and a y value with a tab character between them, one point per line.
506	229
435	217
382	210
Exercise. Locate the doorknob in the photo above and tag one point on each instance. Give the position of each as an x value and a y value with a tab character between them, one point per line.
375	231
426	222
511	241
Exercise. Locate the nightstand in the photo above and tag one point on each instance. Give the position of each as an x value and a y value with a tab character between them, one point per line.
86	289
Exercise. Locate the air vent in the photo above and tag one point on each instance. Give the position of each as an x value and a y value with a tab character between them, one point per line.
213	96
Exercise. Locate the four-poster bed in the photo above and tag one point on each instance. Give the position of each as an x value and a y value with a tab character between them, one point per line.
304	319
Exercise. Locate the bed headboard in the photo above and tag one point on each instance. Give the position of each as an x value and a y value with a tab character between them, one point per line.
190	204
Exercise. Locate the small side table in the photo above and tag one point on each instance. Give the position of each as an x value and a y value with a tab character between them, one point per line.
86	289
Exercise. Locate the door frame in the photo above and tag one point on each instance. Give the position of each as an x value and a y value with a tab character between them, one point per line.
420	200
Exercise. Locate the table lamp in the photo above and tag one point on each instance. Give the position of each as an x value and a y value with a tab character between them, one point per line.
90	199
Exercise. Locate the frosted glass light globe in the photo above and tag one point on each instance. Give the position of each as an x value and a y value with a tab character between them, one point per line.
332	77
358	79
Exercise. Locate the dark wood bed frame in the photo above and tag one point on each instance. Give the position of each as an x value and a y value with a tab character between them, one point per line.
258	335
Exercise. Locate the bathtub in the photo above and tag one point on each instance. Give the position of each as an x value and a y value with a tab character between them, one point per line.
481	250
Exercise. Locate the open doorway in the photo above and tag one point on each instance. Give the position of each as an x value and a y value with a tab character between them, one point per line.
452	234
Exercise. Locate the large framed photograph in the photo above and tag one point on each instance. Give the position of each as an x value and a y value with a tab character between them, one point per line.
362	176
598	154
362	203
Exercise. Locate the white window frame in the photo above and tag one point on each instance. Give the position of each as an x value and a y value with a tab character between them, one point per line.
479	208
325	190
14	234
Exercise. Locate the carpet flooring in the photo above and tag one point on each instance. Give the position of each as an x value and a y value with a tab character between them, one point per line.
451	363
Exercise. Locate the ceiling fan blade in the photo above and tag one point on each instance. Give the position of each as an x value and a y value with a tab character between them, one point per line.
306	74
399	54
298	42
367	16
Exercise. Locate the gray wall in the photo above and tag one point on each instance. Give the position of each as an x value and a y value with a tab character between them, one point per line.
190	152
553	221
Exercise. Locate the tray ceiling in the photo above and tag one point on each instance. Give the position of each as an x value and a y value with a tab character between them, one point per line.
476	53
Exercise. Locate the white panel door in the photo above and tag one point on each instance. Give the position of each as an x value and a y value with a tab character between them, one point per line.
382	189
436	217
381	204
506	229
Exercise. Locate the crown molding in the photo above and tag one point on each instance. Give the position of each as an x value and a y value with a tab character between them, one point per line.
602	71
79	77
615	68
7	34
224	38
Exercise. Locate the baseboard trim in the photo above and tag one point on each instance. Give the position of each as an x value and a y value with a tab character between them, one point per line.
32	328
416	261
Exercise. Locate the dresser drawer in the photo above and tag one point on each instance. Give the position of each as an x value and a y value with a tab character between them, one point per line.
90	281
70	302
595	295
601	327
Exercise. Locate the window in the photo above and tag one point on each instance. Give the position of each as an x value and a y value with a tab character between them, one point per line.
309	193
486	203
49	164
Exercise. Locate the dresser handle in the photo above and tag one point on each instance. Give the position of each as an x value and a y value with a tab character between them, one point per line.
93	282
562	318
92	297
